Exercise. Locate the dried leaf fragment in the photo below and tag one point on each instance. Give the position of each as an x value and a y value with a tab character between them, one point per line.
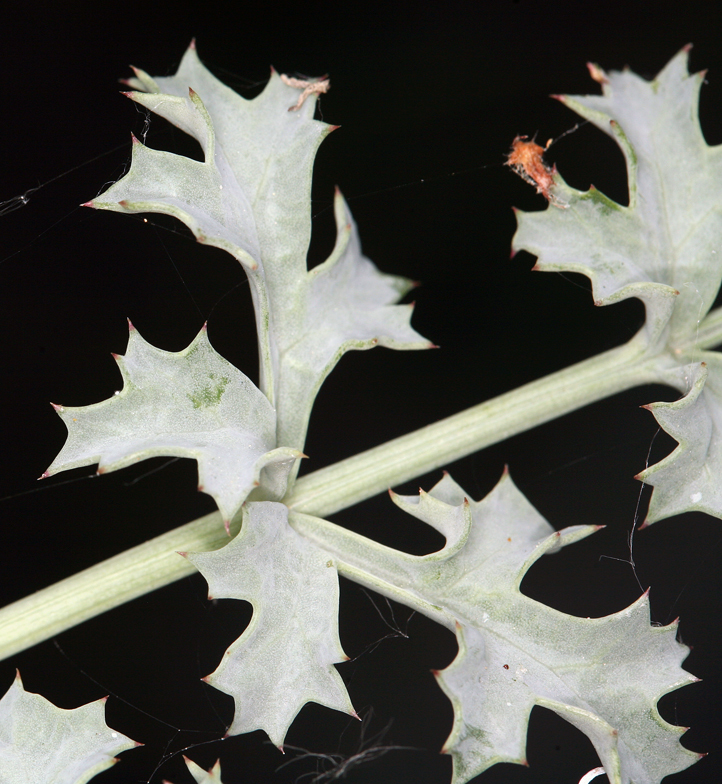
527	160
316	87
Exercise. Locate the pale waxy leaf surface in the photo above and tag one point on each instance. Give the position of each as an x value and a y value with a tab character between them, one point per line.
42	743
286	656
604	675
212	776
665	247
192	403
251	196
689	478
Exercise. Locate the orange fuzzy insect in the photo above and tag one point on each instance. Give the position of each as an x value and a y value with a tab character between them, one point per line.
527	160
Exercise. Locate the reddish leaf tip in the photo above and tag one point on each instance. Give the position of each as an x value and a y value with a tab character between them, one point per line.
57	407
131	328
88	204
44	475
192	44
182	553
227	525
192	92
597	73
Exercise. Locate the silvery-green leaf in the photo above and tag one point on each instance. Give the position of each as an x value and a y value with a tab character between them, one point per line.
668	239
665	247
345	303
212	776
260	153
191	403
604	675
285	657
251	196
689	478
42	743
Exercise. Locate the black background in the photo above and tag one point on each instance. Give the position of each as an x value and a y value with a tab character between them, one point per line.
429	97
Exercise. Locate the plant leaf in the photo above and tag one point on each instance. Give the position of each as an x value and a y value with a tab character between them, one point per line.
260	153
192	403
40	742
212	776
604	675
346	304
663	248
251	196
285	657
688	479
666	241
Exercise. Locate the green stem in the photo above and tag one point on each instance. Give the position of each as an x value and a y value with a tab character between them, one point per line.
364	475
156	563
106	585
